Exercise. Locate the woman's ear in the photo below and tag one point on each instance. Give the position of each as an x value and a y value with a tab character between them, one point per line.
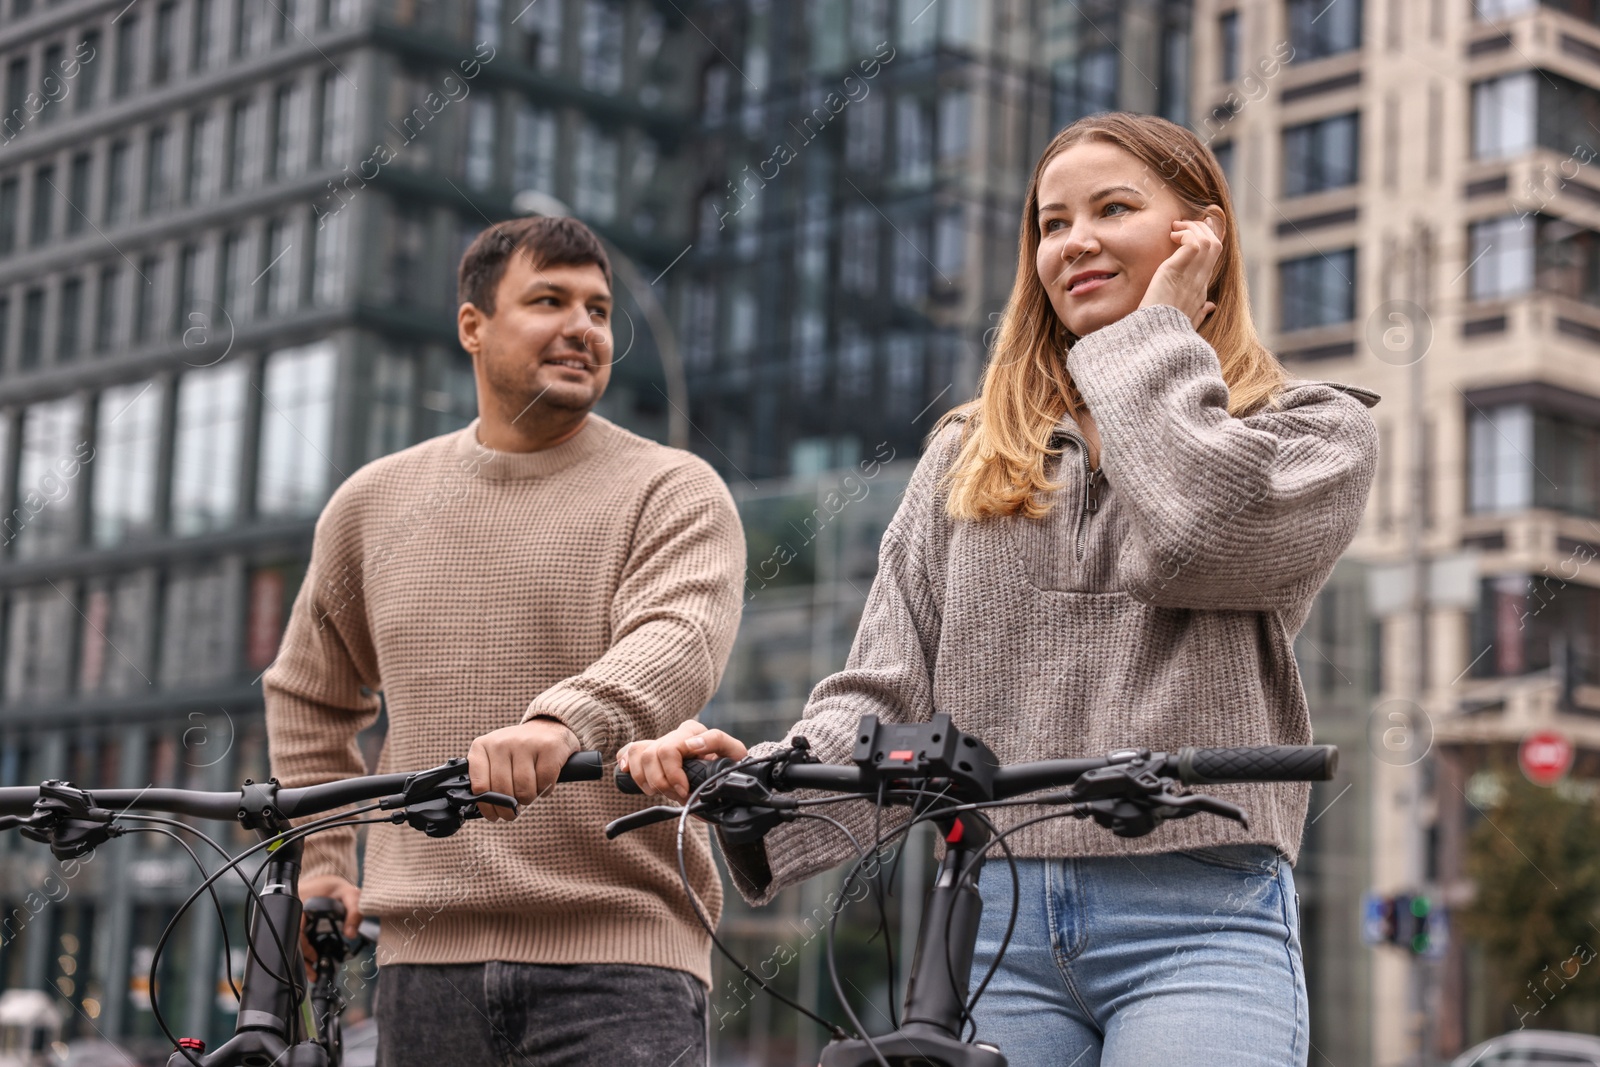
1218	221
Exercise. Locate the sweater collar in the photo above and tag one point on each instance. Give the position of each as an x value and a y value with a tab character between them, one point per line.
499	466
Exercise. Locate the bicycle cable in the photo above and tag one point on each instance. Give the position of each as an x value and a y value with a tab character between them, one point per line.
694	901
277	840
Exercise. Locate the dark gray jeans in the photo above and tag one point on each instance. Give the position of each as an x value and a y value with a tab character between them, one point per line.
540	1015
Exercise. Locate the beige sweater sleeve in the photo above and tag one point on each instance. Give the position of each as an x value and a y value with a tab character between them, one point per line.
673	618
321	691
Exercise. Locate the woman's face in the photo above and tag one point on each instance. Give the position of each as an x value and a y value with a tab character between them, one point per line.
1105	225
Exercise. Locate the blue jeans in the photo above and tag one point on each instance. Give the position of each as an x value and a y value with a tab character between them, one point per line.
1183	959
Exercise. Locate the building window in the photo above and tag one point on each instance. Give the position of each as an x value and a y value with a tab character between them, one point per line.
44	202
600	45
595	175
855	364
10	194
207	445
116	634
158	170
864	134
51	83
88	73
118	180
391	397
78	188
187	297
106	300
913	139
1224	152
49	465
1503	118
950	243
235	278
1318	28
1490	10
904	353
1520	456
194	169
5	333
280	276
955	123
328	258
127	451
238	156
1228	40
200	625
289	133
486	22
127	55
1317	290
32	329
534	149
68	336
205	32
481	140
541	35
909	282
1501	256
39	648
164	55
337	113
858	250
146	313
1086	84
296	431
1321	155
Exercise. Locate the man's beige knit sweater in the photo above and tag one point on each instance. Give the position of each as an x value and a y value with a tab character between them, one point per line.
598	582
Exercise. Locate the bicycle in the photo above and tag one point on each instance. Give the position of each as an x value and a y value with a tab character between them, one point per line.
950	778
278	1025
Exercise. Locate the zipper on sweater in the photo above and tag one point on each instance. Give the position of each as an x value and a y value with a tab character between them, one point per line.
1091	494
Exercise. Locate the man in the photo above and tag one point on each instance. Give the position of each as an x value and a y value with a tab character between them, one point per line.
535	584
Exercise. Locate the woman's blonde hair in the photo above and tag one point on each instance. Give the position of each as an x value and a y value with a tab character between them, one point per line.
1026	390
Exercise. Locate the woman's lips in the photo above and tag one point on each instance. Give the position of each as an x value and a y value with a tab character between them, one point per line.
1089	286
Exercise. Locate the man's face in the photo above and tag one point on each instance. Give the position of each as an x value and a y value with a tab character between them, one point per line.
548	343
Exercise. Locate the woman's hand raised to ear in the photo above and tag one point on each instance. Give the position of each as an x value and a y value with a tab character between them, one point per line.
657	766
1184	277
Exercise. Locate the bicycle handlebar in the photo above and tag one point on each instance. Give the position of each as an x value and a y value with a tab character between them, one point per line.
1191	766
292	803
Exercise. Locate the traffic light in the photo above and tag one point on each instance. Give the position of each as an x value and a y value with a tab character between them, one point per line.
1406	920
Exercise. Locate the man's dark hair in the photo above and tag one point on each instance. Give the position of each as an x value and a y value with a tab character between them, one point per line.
548	242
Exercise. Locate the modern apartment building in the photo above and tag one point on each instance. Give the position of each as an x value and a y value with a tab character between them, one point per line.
1414	189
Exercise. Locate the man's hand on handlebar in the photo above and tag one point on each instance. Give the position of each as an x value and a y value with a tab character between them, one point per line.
657	766
330	885
521	761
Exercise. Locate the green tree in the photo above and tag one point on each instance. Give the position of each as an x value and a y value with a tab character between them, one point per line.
1535	859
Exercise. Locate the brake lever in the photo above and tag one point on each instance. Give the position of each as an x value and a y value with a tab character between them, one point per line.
636	820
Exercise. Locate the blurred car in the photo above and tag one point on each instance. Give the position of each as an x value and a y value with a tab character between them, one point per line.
1532	1048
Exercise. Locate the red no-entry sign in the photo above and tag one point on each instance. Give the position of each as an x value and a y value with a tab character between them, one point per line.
1545	757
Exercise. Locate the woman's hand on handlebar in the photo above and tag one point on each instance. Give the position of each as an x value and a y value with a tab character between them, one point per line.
657	766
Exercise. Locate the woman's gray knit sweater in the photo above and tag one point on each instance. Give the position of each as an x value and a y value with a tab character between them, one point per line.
1157	610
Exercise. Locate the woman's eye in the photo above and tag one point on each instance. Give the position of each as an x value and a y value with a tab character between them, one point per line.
1050	225
1115	204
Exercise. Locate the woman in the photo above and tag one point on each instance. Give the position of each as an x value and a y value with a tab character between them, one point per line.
1112	547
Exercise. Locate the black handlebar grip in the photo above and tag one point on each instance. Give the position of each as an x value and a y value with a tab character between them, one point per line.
582	767
696	770
1263	763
